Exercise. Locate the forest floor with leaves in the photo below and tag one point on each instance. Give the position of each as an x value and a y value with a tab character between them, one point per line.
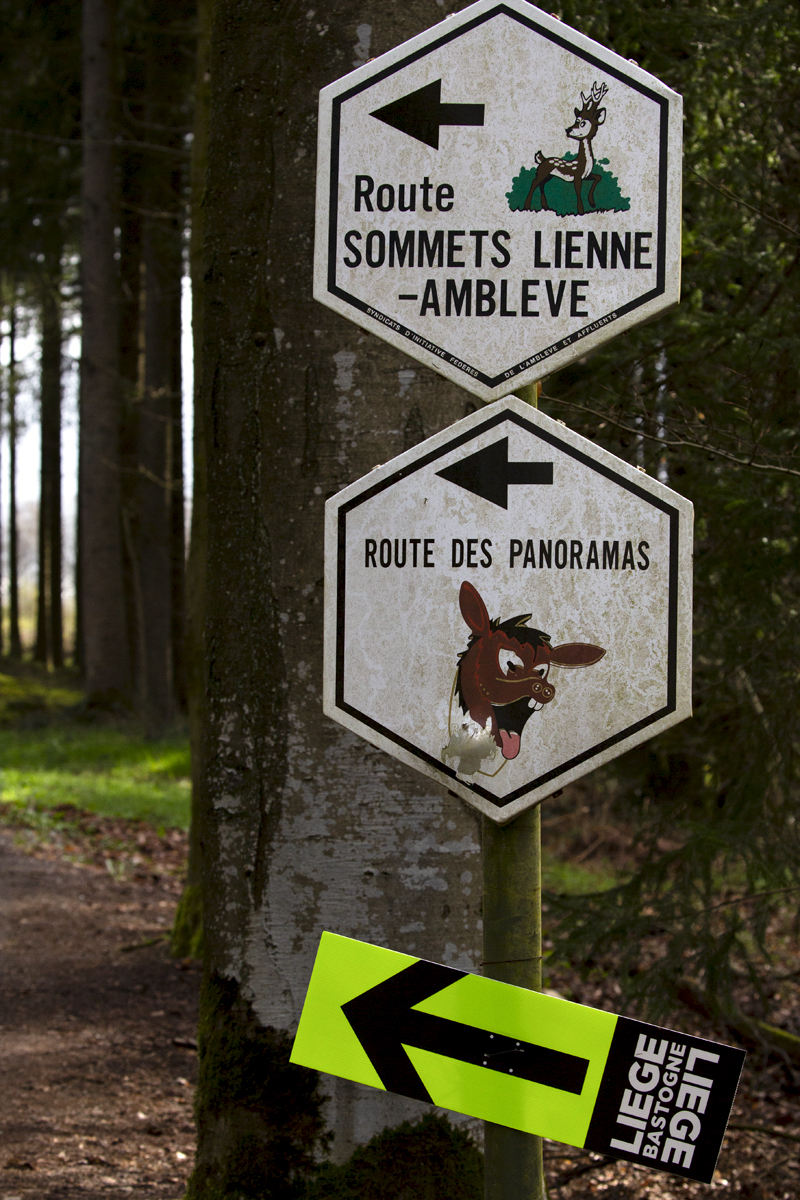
98	1024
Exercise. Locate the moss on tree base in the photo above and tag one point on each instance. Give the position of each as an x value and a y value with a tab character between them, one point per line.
258	1117
427	1160
186	940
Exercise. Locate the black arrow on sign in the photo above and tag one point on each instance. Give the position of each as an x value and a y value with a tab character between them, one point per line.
384	1021
487	473
420	113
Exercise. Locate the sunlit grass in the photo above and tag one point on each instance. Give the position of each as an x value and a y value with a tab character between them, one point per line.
22	694
48	758
106	771
112	770
559	875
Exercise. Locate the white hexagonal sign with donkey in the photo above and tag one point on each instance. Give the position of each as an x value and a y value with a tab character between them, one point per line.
507	606
498	196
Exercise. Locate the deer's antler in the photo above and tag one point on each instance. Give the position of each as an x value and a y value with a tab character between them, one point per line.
597	93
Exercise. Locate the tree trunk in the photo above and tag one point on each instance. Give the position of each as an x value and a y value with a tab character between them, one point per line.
177	514
303	826
177	508
187	936
131	340
49	624
158	536
2	633
105	636
155	480
15	642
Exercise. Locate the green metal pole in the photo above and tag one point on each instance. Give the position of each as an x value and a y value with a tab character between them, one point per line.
529	392
512	952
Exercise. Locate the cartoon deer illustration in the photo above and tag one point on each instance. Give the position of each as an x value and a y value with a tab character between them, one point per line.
587	122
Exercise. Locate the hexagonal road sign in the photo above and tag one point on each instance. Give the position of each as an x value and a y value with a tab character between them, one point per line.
507	606
498	196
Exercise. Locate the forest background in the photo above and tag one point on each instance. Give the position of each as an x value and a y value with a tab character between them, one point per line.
123	127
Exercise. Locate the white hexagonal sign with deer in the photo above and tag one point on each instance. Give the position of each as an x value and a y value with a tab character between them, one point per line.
498	196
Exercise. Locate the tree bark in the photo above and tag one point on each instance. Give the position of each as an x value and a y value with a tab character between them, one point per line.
187	936
2	631
157	535
49	625
131	338
303	826
105	635
154	482
177	501
14	640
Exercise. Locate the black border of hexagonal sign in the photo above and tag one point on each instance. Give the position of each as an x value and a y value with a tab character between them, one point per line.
672	628
661	237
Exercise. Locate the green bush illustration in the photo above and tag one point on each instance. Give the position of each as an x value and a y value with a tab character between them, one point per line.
561	196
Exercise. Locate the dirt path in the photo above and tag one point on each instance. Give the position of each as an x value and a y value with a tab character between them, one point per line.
96	1074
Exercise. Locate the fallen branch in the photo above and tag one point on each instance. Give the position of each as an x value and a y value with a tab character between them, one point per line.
777	1133
162	937
584	1169
749	1029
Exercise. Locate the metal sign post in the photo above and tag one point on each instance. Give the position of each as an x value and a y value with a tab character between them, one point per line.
512	952
511	859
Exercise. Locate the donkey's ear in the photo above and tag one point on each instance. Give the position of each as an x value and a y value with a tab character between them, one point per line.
575	654
600	116
473	610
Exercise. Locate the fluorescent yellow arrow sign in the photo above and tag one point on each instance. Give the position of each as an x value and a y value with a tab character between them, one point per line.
518	1058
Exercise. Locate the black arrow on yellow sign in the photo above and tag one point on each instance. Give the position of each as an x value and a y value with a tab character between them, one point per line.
385	1021
488	473
421	113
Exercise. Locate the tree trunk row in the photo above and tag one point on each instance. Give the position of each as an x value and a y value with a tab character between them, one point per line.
15	643
49	646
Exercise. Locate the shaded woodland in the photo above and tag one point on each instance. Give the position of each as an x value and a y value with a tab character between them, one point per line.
138	141
97	110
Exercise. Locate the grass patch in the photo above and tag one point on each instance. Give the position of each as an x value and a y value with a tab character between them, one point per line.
112	772
32	692
54	766
563	876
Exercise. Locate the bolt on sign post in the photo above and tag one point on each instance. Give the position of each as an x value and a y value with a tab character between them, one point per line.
508	606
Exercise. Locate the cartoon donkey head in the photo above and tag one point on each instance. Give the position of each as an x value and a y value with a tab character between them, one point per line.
503	674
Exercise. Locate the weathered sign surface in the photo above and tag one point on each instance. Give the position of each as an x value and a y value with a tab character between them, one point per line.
507	606
518	1058
498	196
